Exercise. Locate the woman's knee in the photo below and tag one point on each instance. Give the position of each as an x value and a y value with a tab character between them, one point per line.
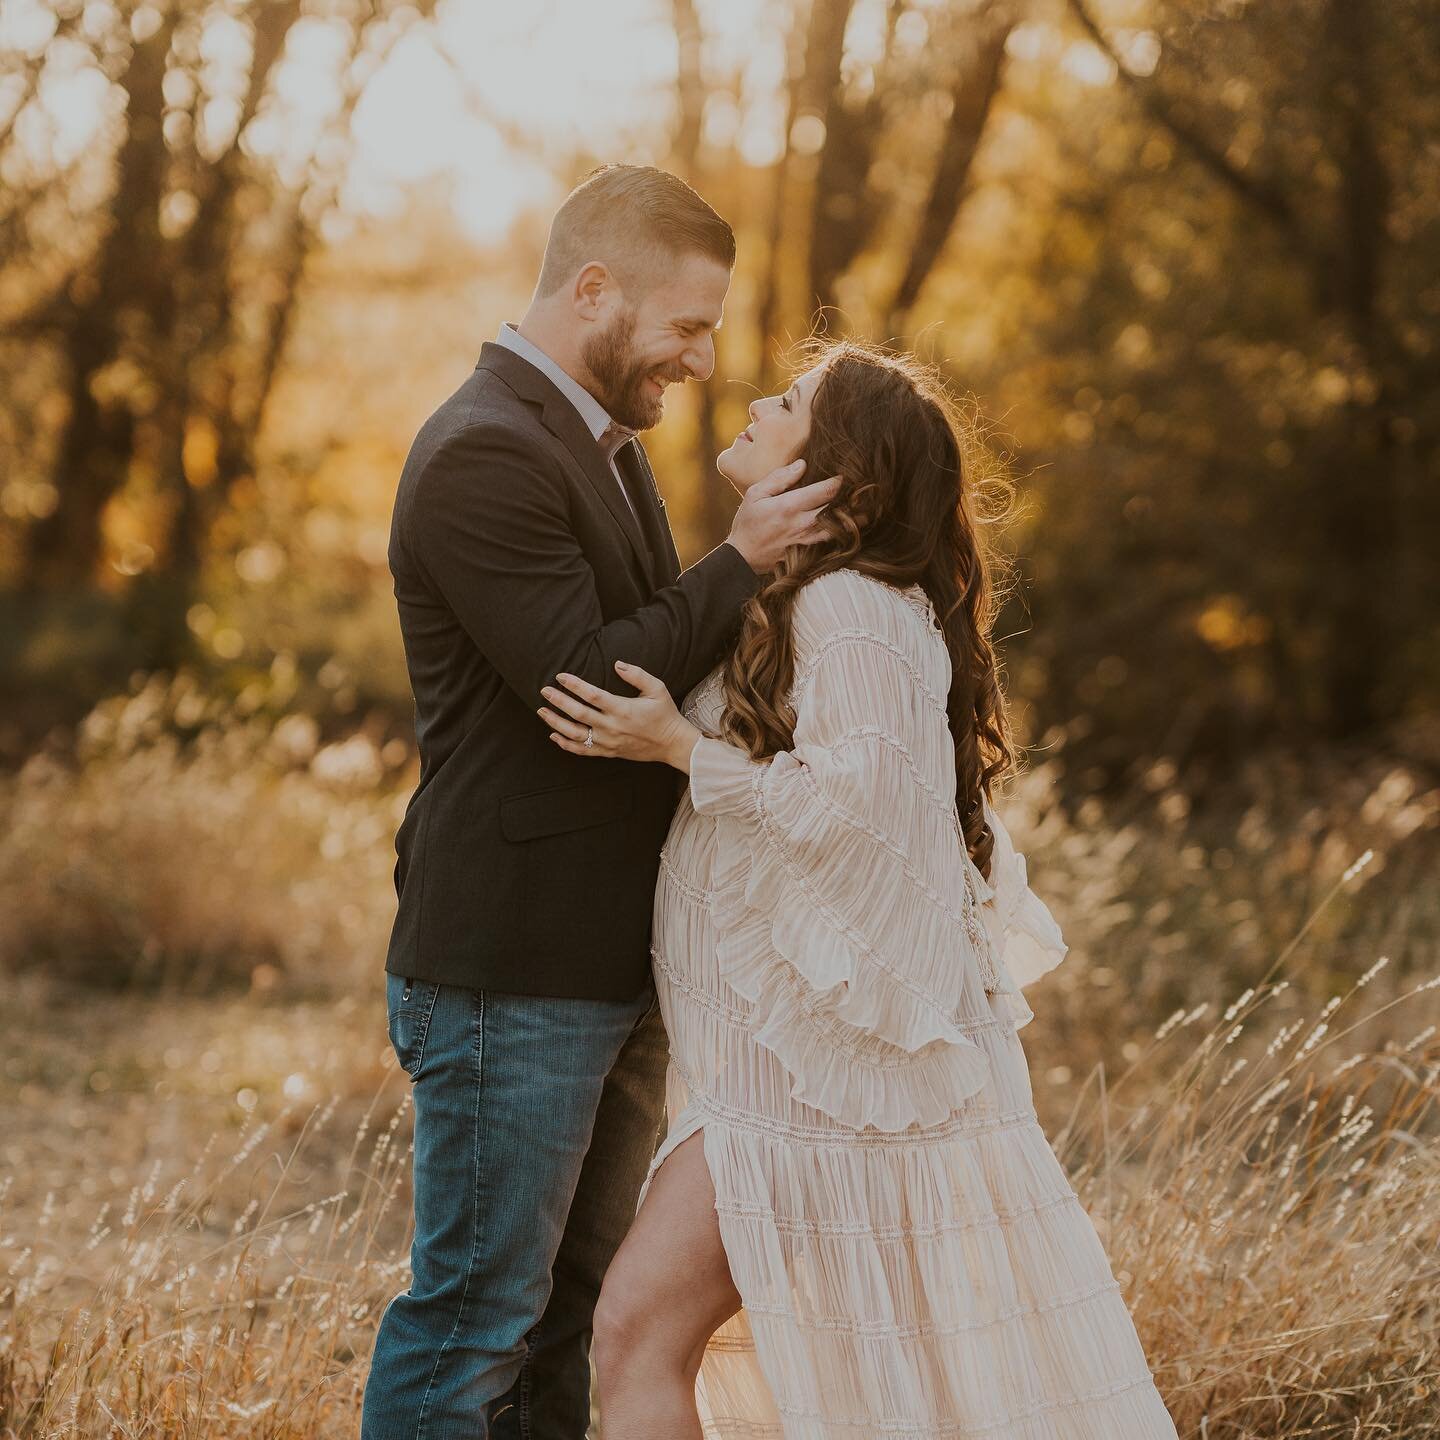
625	1325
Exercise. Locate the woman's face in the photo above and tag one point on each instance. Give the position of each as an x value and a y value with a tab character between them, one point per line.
778	429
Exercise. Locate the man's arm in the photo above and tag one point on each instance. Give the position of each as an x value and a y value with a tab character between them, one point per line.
493	532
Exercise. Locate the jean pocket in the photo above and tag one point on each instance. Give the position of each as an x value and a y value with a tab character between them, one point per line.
410	1004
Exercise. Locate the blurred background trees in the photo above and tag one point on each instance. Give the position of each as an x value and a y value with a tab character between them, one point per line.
1183	253
159	279
1185	256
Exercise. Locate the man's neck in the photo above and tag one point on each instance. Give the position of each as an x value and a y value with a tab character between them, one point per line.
550	338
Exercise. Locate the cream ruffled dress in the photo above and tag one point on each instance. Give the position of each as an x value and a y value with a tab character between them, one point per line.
842	992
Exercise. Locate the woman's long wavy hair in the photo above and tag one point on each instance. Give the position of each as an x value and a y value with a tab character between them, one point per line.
908	512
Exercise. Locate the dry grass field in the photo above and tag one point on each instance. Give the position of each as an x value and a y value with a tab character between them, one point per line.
205	1147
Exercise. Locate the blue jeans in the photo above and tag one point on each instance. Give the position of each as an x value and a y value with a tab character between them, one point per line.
535	1122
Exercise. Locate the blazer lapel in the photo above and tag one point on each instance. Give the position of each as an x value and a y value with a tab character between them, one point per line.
563	421
669	557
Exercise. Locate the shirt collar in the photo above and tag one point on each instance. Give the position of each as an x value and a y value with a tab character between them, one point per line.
592	412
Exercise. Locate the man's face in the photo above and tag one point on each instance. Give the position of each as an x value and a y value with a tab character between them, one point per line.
666	337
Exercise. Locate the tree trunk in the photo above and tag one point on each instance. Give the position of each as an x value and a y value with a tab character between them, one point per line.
715	510
839	171
976	85
63	549
200	347
1359	489
767	314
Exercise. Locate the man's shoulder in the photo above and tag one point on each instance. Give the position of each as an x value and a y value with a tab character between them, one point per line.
482	407
482	420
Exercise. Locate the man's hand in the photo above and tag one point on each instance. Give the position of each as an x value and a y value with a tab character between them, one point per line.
772	517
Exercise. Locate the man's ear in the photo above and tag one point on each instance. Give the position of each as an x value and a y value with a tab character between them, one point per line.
595	290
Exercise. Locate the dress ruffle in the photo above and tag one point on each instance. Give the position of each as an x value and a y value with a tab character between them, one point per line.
968	1271
1025	933
864	1040
1025	940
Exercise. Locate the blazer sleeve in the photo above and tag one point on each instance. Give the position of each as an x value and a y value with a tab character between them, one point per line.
489	526
841	904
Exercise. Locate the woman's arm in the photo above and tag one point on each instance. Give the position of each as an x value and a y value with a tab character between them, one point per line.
839	896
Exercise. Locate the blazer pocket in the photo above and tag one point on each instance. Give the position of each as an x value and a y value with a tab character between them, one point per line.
572	807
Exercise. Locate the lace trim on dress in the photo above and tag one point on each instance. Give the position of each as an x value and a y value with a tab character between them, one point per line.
965	920
942	802
869	1426
867	1230
888	1329
915	596
846	639
960	1126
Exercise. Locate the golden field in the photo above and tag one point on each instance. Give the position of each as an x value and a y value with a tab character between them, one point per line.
206	1141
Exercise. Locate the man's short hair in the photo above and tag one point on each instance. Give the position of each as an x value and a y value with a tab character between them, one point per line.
635	219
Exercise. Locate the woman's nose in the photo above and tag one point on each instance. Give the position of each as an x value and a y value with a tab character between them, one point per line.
751	410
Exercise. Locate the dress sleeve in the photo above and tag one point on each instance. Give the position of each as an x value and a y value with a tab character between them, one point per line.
842	907
1025	940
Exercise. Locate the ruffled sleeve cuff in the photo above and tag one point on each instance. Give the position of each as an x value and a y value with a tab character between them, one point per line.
722	778
1026	937
859	1043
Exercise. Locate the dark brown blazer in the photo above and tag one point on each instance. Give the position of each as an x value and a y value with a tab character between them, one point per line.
520	867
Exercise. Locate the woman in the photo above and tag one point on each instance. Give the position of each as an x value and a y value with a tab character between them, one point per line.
841	930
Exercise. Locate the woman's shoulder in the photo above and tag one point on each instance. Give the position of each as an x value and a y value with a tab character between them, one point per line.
847	600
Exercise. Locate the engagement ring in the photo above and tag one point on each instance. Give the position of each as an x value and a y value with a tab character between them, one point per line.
589	736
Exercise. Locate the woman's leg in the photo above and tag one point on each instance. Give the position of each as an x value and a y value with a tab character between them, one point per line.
666	1293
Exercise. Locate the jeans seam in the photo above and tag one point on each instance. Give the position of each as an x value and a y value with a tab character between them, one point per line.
474	1216
522	1403
645	1014
424	1017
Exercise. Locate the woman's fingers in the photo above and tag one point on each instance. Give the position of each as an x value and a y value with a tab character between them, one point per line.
575	729
642	680
578	747
593	695
575	709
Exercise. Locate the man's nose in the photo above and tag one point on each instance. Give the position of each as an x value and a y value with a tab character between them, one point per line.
700	359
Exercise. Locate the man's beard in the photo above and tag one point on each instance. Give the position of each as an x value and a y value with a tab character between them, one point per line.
620	375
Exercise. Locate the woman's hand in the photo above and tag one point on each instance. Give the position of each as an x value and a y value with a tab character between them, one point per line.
648	727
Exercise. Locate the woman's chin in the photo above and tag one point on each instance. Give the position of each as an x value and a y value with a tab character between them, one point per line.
732	464
725	464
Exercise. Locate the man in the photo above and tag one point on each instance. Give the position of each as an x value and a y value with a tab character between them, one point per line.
529	539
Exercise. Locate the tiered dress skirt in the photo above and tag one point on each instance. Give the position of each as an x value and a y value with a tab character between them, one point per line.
911	1256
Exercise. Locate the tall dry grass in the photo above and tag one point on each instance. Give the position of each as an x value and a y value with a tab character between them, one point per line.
196	843
1249	1115
1274	1216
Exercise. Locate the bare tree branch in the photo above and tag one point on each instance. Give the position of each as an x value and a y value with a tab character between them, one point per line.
767	317
1262	195
690	84
973	92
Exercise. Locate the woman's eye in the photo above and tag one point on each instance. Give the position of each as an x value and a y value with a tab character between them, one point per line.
785	402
